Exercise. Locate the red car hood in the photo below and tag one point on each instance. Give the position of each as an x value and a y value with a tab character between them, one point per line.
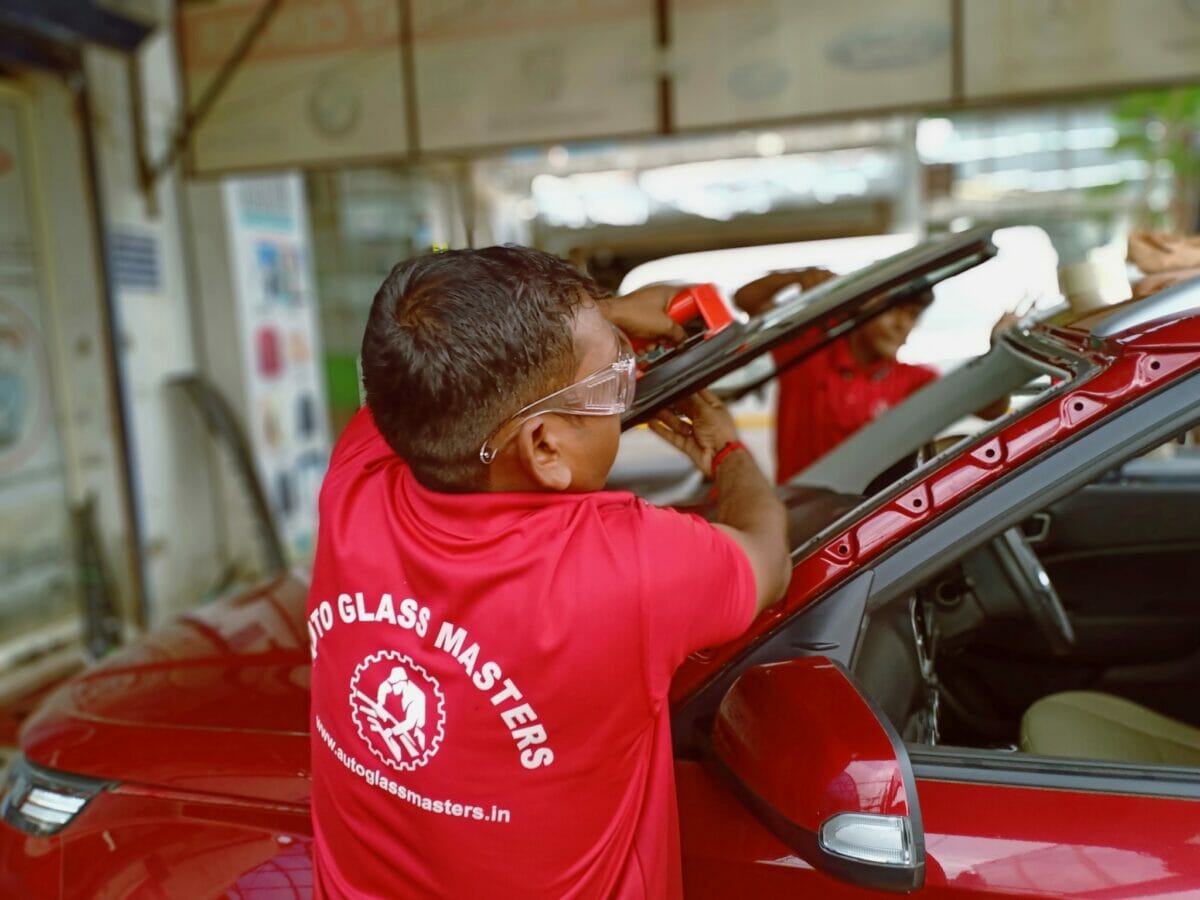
216	702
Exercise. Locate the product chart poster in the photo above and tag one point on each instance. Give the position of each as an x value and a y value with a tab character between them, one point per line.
284	393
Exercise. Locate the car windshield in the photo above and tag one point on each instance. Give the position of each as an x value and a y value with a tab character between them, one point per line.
815	317
864	467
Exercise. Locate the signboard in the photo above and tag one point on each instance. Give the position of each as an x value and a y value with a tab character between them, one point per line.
334	81
1042	46
36	570
323	82
753	60
526	71
284	395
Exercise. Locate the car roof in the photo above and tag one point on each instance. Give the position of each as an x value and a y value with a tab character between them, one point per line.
821	314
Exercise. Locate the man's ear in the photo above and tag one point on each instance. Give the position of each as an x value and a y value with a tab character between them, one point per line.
542	454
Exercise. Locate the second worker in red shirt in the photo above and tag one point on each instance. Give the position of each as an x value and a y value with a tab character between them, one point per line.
835	391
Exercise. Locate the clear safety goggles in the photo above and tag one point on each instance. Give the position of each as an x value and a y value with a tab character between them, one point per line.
606	392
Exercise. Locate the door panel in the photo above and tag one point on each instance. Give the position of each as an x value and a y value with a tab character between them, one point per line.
982	840
727	852
995	840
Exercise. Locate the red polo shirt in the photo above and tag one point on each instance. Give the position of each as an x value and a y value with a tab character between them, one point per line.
829	396
489	684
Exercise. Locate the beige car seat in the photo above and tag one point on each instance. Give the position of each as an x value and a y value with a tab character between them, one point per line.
1092	725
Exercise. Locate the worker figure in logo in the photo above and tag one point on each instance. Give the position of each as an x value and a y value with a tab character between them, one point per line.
412	703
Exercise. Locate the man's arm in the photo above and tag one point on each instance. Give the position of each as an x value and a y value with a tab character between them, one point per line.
747	508
749	512
755	297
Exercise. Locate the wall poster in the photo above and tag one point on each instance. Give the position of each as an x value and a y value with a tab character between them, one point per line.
37	579
334	81
284	391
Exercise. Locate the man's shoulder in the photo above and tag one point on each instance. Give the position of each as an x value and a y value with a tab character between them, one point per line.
613	508
633	516
800	361
356	449
618	504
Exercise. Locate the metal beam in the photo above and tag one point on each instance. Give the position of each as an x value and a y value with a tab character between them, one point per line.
20	50
72	22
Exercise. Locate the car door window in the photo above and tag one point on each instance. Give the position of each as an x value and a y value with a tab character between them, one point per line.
960	667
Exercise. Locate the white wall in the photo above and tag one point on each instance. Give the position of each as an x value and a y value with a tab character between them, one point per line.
156	333
86	401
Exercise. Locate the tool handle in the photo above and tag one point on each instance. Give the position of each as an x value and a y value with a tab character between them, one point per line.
702	300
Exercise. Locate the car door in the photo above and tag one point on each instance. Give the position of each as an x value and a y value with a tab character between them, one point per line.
994	825
1003	824
780	805
805	790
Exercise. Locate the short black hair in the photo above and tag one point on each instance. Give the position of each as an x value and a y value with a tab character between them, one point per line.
458	341
922	298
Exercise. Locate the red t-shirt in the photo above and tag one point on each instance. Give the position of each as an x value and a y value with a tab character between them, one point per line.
828	397
490	678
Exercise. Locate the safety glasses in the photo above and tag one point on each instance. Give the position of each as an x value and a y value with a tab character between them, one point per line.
606	392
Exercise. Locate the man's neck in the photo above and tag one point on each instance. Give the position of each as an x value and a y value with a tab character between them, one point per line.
862	352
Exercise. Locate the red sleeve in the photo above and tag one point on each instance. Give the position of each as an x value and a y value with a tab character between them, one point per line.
697	589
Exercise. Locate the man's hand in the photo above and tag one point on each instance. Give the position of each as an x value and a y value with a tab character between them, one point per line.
642	313
1161	251
704	428
755	297
1152	284
748	509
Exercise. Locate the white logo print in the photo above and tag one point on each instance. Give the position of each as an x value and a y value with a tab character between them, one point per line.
398	709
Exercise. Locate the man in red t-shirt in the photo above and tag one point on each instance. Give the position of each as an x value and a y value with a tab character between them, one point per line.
493	635
837	390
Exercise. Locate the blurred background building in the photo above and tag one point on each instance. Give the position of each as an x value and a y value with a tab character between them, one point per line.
199	198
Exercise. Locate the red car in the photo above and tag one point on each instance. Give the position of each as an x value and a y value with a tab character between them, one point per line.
981	682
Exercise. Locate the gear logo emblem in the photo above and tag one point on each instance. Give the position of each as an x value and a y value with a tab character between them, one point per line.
398	709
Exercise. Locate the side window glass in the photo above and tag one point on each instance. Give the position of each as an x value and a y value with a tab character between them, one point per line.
1173	460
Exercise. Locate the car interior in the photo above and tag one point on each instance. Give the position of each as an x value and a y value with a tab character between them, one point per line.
1074	634
1071	634
864	470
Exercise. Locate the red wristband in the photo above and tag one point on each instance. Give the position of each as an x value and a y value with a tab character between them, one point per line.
724	452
